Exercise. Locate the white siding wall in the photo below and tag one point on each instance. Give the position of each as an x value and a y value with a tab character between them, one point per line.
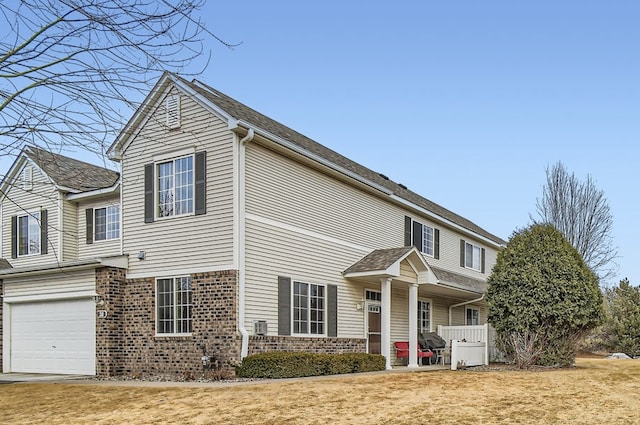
70	230
56	284
97	248
269	254
42	196
202	242
307	225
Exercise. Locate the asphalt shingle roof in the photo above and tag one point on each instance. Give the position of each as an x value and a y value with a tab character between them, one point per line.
458	280
71	173
380	259
242	112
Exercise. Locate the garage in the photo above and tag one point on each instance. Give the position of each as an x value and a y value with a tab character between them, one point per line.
56	336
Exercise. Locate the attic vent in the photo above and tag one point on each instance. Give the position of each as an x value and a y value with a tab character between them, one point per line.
383	176
402	186
173	111
260	327
27	178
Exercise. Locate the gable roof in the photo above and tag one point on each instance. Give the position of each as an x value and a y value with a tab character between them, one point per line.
69	173
380	259
237	114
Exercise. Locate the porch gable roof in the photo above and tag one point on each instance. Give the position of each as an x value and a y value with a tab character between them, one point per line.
386	263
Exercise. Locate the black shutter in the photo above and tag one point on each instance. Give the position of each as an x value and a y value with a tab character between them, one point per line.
482	260
284	305
89	214
407	231
44	232
436	244
201	183
14	236
148	194
332	311
417	235
462	247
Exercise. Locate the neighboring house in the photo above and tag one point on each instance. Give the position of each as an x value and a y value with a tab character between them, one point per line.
244	236
60	242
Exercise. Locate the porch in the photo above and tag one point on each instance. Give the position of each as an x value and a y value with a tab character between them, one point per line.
409	297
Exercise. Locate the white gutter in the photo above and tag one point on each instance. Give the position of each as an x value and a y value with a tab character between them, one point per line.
297	149
244	350
463	303
95	192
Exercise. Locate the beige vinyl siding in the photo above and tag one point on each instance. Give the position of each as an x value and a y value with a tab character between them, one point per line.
186	241
450	250
51	284
70	230
96	249
273	252
17	201
283	190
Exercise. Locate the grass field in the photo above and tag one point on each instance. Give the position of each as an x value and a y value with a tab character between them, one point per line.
596	391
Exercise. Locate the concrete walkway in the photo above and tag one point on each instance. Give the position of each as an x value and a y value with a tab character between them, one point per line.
8	378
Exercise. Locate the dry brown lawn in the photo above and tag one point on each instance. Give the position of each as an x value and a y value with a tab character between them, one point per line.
597	391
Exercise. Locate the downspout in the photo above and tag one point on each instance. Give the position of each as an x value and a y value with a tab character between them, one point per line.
244	350
451	307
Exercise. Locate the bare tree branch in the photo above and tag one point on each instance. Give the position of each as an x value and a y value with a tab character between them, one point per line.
71	71
580	211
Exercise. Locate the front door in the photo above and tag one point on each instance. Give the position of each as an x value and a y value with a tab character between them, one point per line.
374	328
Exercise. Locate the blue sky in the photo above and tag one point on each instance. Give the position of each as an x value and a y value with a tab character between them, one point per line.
464	102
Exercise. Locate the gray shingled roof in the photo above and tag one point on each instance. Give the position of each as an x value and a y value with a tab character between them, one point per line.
241	112
5	264
459	281
71	173
380	259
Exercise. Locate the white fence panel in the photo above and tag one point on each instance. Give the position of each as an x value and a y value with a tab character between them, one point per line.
468	354
477	333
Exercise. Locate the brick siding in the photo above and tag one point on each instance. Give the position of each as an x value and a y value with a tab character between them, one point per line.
261	344
126	340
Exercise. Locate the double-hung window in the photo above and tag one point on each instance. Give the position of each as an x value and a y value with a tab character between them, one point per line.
309	316
29	234
473	316
173	305
427	240
107	223
472	256
175	187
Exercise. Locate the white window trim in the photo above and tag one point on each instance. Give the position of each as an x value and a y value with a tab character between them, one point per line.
156	189
433	242
430	301
39	220
155	307
467	308
479	268
373	291
106	207
292	303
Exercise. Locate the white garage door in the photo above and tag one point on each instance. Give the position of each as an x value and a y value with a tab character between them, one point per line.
53	337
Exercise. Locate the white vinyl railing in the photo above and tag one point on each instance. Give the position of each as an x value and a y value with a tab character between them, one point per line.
478	333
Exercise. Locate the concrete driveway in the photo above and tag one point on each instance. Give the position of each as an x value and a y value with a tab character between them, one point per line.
8	378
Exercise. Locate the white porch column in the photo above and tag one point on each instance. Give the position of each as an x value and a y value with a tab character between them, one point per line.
385	318
413	325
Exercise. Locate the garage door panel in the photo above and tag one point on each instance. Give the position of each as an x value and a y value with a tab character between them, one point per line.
53	337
